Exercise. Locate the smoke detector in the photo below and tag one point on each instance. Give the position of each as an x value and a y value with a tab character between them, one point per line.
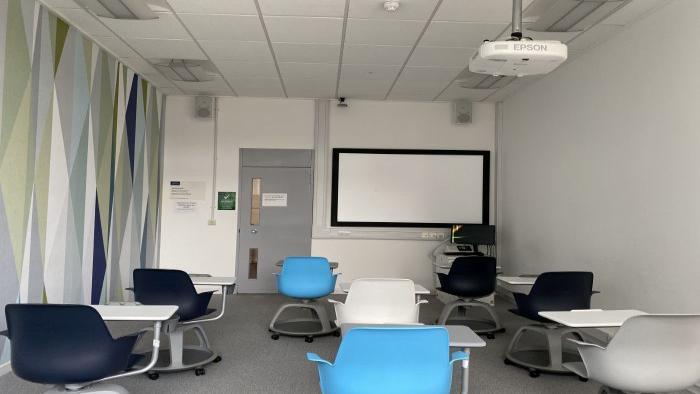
391	5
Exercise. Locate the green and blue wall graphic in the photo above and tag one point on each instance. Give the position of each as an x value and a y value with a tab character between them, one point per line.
80	165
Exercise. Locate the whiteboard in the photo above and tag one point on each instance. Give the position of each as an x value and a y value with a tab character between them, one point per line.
415	188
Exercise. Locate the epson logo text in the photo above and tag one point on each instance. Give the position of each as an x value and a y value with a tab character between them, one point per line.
530	47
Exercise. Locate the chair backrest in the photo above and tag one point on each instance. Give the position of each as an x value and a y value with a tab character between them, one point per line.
651	353
166	287
392	360
565	290
381	301
473	276
306	277
59	344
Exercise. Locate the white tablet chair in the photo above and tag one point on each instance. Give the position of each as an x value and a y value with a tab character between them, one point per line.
379	301
649	354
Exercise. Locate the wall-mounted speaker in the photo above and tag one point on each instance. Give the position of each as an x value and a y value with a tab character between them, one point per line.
462	112
203	107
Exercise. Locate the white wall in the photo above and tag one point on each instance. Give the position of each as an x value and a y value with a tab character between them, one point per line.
600	167
189	243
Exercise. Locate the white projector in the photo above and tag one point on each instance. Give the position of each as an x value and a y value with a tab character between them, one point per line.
518	57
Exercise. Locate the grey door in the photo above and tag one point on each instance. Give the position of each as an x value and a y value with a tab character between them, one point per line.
275	214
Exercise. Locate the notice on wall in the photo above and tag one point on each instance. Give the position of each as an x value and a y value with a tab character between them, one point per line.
226	201
187	195
274	199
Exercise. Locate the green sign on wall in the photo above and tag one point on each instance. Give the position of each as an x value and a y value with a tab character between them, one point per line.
227	201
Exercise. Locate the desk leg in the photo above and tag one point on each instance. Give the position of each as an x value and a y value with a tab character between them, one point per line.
465	373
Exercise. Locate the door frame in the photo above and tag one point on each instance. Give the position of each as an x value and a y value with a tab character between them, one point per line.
272	158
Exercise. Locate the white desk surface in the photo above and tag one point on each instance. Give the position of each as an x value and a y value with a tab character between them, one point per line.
135	312
517	280
460	336
592	317
420	290
213	280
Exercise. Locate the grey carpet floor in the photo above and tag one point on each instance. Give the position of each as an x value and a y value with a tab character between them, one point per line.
253	363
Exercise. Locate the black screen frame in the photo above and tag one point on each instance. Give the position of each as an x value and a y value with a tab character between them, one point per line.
486	157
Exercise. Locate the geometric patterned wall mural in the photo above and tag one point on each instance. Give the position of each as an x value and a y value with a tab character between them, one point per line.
80	165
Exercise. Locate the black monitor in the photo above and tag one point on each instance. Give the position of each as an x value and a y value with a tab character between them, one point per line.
473	234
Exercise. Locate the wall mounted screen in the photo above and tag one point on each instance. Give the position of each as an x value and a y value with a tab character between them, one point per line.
409	188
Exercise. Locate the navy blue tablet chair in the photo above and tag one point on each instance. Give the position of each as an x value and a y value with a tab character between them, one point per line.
390	360
68	346
175	287
552	291
305	279
469	279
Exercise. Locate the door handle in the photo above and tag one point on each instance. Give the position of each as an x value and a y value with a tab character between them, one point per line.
254	231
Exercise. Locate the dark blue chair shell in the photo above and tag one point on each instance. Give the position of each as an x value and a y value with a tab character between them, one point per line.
171	287
470	277
555	291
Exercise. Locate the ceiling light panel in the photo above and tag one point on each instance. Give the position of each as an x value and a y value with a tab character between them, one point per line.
85	21
119	9
166	27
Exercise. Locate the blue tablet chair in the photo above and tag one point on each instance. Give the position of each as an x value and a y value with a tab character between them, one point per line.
175	287
552	291
305	279
68	346
388	360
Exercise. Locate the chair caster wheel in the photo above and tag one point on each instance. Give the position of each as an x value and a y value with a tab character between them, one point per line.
507	362
153	375
336	333
534	373
582	379
199	371
275	336
491	336
308	339
217	359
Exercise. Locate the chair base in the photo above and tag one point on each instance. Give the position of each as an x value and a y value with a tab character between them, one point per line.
492	326
549	360
179	357
318	325
99	388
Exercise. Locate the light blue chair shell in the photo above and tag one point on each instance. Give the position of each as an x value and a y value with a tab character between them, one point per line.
306	278
389	360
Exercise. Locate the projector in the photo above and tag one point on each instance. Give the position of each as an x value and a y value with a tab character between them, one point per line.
518	57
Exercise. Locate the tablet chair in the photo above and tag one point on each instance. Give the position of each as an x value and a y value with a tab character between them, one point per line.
469	279
68	346
648	354
552	291
379	301
305	279
390	360
175	287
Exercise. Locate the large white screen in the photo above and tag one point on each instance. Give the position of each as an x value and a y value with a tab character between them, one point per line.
410	188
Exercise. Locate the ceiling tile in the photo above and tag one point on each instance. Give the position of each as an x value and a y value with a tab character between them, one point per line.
441	57
249	51
170	91
84	21
460	34
303	7
258	87
307	53
409	90
517	84
455	92
592	37
215	87
375	90
544	35
139	65
246	70
224	27
484	11
116	46
304	30
369	72
437	75
310	88
157	79
633	11
375	54
383	32
166	49
408	10
323	71
231	7
166	26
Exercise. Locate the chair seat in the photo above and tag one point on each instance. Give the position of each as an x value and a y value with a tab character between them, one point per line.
461	294
578	368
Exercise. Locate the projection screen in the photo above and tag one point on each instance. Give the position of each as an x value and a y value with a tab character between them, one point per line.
409	188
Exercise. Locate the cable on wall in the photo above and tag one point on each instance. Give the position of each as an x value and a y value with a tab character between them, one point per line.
212	217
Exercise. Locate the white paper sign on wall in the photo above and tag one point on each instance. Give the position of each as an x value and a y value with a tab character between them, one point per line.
274	199
186	195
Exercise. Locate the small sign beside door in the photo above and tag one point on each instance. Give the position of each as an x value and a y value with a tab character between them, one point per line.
274	199
226	201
